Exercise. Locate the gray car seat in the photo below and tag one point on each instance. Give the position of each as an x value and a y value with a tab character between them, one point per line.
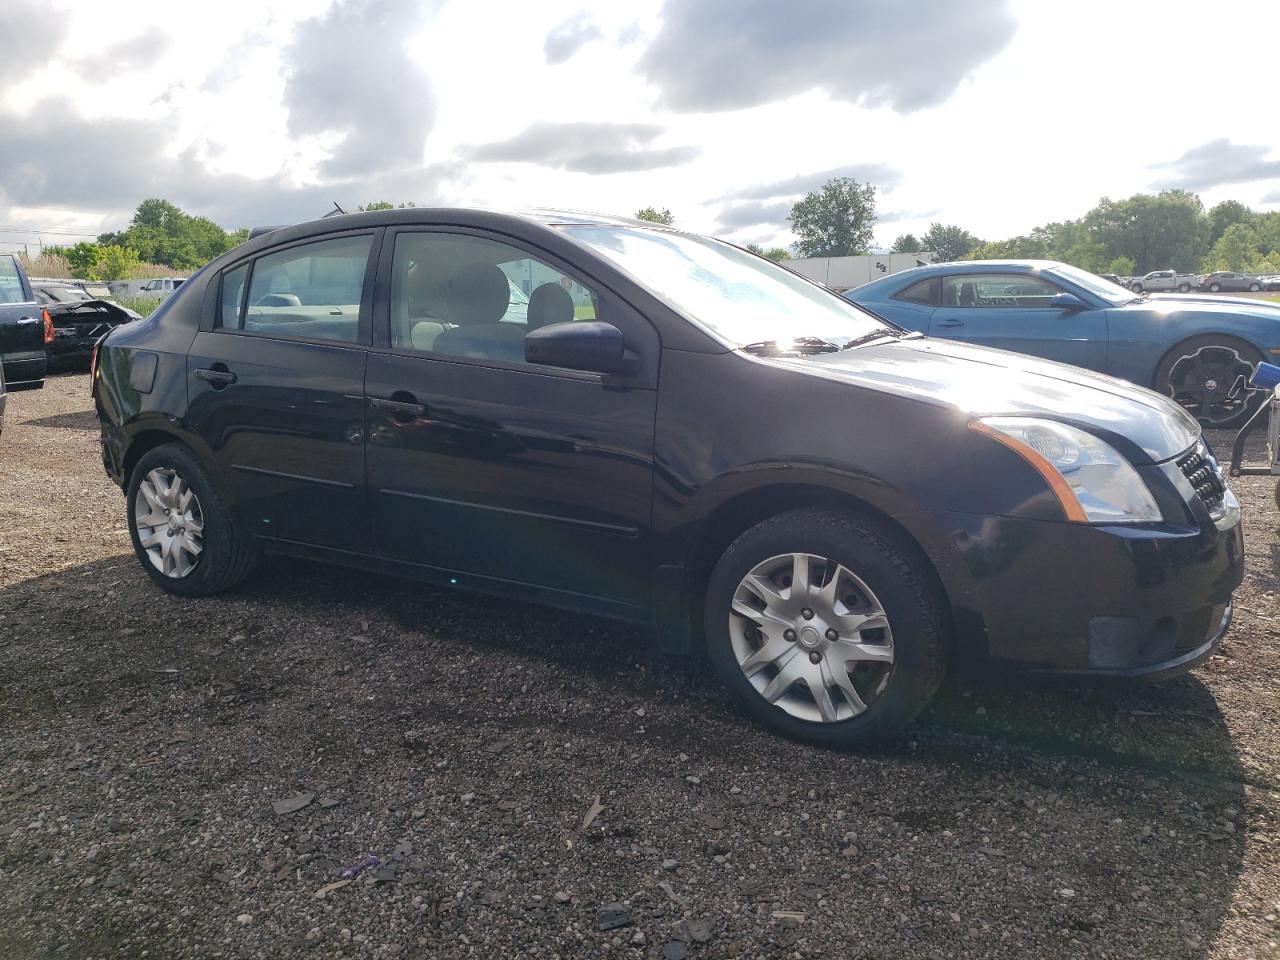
478	297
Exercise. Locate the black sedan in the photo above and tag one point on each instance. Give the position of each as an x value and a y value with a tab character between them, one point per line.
625	419
78	319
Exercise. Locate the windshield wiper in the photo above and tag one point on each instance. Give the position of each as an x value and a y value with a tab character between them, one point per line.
876	335
801	345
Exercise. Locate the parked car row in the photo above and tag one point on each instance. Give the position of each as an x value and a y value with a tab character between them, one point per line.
1218	281
49	324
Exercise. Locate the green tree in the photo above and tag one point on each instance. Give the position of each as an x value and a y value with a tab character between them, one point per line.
1237	249
114	262
949	242
161	233
907	243
378	205
653	215
1122	266
776	254
836	220
1226	214
1160	231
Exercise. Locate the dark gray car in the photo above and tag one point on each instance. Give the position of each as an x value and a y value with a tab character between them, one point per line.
1226	280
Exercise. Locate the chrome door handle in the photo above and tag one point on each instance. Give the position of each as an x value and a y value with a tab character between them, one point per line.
401	408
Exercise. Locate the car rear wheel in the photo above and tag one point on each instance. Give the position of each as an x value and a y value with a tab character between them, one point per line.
826	627
1254	287
1184	287
1209	376
182	531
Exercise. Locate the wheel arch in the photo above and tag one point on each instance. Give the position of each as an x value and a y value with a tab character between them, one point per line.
736	514
143	441
1199	335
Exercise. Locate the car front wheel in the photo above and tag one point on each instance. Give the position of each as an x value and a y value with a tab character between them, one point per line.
1215	287
1254	287
182	531
826	627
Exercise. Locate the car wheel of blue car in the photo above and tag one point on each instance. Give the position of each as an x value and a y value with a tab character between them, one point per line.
1209	376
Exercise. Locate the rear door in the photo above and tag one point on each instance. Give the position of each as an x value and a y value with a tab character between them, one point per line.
481	463
276	388
1011	311
21	328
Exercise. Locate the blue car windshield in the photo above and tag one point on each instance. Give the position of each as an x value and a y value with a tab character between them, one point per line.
743	298
1113	293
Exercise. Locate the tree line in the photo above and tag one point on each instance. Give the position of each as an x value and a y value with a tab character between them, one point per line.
159	235
1166	230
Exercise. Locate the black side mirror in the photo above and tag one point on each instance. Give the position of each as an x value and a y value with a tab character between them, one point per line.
1067	301
580	345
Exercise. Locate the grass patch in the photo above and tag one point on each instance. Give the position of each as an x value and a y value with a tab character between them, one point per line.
143	305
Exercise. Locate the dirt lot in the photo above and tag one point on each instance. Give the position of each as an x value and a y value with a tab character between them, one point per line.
463	741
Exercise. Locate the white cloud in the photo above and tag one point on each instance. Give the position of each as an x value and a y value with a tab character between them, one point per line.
270	109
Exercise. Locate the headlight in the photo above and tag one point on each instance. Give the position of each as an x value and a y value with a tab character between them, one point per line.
1093	482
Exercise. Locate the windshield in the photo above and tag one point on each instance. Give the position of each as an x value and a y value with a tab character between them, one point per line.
1113	293
743	298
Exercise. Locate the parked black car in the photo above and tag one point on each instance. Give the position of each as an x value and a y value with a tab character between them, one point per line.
1226	280
78	321
23	330
701	440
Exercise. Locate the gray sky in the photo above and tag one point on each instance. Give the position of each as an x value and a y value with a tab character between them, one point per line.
997	115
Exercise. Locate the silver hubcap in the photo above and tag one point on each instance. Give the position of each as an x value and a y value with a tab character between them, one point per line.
811	637
166	514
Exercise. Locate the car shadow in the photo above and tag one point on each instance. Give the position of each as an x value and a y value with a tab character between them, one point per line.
1126	749
79	420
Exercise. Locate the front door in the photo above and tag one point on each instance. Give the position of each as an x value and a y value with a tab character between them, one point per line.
1011	311
276	390
483	465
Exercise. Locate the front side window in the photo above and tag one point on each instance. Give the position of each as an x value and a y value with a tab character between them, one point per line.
10	282
468	296
311	291
745	299
1008	290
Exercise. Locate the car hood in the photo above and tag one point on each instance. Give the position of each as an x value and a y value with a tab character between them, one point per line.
981	381
1264	308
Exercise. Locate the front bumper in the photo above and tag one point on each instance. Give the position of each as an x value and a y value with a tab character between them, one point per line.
1145	602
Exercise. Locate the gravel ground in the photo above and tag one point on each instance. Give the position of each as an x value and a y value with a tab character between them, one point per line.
526	778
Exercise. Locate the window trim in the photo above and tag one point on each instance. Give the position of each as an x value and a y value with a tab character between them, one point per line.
996	273
609	308
364	321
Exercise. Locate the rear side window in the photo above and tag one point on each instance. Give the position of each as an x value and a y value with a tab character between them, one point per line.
311	291
231	299
10	282
925	292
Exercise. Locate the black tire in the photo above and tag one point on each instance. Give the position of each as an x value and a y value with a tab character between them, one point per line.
1254	287
1135	287
1190	348
905	587
227	555
1215	287
1184	288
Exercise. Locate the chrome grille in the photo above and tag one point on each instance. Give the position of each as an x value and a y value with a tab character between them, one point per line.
1204	474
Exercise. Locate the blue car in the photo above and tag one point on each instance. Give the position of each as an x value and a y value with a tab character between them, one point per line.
1200	350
